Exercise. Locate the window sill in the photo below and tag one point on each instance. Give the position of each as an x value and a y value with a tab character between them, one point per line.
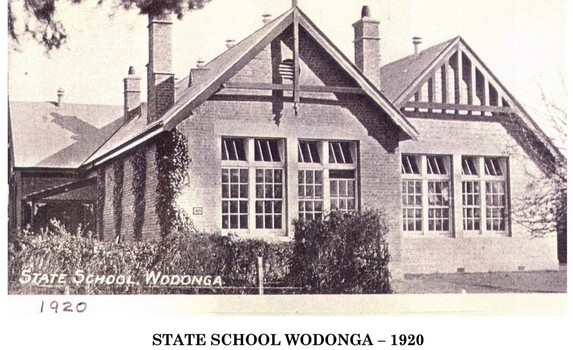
276	236
427	235
486	234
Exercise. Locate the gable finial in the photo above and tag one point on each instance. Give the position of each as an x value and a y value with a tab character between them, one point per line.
294	3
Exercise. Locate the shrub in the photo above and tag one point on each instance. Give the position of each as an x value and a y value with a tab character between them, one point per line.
176	254
345	253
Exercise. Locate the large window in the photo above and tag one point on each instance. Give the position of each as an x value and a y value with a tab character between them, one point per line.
252	184
495	197
235	184
326	177
426	194
342	175
484	194
310	198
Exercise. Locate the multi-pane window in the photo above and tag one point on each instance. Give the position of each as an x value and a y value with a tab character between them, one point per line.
471	194
326	177
252	183
342	190
412	205
310	194
471	205
269	198
235	184
342	175
426	197
438	189
484	194
495	198
411	194
439	206
427	194
495	205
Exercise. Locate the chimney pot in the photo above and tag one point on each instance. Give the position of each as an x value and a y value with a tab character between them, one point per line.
200	63
60	97
365	11
131	70
230	43
267	18
416	41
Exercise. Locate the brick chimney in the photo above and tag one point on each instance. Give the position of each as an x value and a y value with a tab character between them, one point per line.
160	78
367	46
131	91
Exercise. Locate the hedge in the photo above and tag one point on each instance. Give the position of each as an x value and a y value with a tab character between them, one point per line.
178	254
344	253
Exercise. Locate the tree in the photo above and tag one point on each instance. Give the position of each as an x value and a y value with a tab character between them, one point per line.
543	210
38	20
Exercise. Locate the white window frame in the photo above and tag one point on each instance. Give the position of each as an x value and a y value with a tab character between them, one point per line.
252	165
425	177
325	166
483	178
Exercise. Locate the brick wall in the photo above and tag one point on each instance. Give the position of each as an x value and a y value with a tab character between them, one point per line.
477	254
321	116
108	212
150	223
127	201
457	136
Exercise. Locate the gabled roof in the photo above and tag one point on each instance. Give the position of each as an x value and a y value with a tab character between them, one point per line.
209	79
225	65
397	76
402	80
45	135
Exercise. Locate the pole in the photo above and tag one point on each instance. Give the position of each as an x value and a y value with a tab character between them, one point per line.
260	275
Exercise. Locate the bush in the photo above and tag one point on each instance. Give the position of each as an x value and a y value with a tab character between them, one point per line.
176	254
345	253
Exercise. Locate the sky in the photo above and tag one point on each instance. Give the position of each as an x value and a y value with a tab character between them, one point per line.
522	41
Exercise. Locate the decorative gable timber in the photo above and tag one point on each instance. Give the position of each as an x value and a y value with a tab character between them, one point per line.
220	76
457	82
453	80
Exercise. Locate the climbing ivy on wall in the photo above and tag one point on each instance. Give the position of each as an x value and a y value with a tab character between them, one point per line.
100	200
117	196
172	160
139	165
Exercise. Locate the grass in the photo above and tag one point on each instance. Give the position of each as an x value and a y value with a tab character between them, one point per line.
490	282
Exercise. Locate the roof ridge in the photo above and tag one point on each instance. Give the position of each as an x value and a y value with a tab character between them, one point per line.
396	77
68	103
207	66
449	41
